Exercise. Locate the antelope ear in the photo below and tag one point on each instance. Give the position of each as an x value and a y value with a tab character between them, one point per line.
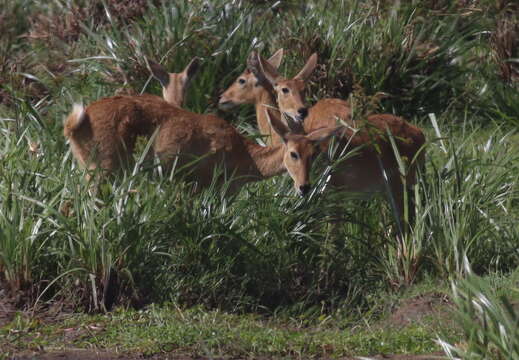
309	67
159	73
324	134
191	69
275	60
262	69
277	125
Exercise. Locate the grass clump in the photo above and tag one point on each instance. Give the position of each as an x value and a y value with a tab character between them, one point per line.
488	321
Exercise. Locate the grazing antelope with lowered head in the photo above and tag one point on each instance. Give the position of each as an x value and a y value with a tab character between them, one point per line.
246	89
375	167
105	138
208	143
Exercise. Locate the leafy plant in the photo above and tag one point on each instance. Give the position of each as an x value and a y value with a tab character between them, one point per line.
489	322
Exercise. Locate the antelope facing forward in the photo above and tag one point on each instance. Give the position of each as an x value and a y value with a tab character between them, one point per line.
104	138
375	167
247	90
206	141
291	92
175	85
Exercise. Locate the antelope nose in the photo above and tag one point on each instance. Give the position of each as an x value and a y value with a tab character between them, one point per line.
304	189
224	104
302	112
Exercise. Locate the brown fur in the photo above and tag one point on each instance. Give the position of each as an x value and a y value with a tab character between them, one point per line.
106	137
174	85
246	90
364	172
183	138
328	112
104	134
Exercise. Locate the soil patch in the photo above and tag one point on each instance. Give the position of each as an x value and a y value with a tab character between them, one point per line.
416	309
7	309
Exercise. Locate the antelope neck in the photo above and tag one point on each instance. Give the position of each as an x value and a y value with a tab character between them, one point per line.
264	101
268	159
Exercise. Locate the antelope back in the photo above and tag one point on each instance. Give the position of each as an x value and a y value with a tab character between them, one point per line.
103	134
210	143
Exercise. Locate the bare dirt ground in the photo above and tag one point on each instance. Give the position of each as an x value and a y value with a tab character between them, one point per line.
416	309
407	312
7	309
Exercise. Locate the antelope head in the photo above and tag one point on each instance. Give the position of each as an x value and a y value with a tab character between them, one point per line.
289	92
300	148
174	85
246	88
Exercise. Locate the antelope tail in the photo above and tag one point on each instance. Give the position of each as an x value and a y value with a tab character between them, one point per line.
76	118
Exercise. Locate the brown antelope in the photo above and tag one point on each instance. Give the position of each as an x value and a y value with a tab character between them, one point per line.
174	85
290	94
205	141
375	167
247	90
104	138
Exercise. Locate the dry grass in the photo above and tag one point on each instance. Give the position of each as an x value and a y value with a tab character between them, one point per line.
65	24
505	40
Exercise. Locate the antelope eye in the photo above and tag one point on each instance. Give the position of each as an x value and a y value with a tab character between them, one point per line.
294	155
241	81
285	90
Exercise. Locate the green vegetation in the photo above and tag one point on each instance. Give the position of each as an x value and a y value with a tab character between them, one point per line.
144	238
213	333
489	322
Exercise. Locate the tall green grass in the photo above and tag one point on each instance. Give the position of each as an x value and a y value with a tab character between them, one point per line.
488	320
145	238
